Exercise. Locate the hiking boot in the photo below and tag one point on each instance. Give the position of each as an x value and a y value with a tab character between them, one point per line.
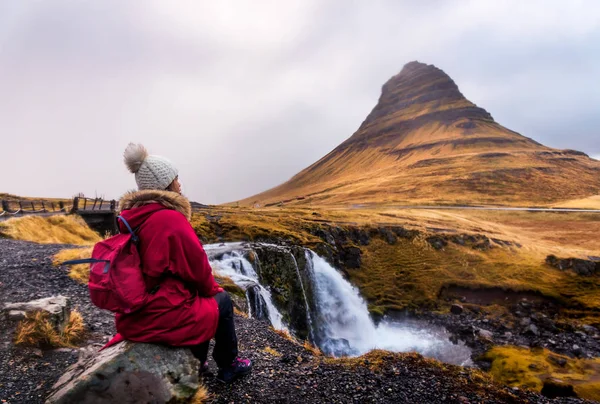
239	367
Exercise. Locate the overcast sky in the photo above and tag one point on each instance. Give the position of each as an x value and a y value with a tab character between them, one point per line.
242	95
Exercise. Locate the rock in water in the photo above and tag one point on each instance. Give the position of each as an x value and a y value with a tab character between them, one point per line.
57	307
129	373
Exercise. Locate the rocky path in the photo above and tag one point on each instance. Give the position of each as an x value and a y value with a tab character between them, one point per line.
284	370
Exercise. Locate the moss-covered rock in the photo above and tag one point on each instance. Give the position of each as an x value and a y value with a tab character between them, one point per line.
284	270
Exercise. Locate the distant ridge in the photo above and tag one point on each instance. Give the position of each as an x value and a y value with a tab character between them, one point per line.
425	142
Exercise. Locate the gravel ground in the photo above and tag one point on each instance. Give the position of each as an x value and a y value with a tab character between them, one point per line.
27	273
291	374
287	373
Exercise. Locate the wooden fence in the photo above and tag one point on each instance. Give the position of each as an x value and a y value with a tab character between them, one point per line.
11	208
81	203
30	207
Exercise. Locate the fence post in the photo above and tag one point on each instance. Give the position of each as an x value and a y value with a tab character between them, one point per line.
5	206
32	207
20	206
84	203
75	207
113	205
43	206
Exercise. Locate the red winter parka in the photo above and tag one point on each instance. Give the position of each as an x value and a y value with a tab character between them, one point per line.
181	312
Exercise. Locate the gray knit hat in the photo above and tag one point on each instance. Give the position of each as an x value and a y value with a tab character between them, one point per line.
151	172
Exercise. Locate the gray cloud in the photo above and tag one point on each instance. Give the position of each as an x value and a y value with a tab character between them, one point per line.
243	95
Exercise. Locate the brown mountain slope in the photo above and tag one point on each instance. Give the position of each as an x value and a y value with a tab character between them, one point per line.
424	142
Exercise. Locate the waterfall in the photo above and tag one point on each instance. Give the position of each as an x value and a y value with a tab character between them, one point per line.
345	325
235	266
340	323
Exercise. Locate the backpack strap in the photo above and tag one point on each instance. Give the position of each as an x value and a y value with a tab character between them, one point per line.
135	239
134	236
88	261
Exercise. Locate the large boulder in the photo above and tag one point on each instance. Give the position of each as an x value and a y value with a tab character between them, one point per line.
58	309
129	373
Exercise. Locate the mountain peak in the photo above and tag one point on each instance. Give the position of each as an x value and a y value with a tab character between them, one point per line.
423	142
422	94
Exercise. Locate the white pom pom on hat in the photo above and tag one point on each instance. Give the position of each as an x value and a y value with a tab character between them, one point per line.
151	172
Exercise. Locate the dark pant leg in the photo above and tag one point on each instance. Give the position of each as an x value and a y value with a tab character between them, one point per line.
200	351
226	344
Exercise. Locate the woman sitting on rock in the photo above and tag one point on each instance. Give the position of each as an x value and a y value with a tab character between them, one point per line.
186	307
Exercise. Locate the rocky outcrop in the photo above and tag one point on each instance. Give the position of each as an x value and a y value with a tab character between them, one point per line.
129	373
284	270
58	309
577	265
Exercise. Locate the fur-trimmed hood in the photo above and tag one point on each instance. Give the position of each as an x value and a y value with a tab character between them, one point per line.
170	200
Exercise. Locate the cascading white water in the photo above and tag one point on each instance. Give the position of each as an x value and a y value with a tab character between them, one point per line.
345	326
341	324
242	273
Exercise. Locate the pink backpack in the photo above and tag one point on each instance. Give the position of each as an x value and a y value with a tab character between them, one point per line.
116	282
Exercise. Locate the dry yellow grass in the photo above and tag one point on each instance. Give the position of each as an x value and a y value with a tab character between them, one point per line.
528	368
240	313
50	230
312	348
411	274
35	330
593	202
80	272
271	351
201	396
284	334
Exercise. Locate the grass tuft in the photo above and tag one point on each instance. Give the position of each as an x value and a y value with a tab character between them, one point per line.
202	396
284	334
312	348
74	330
50	230
240	313
37	331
